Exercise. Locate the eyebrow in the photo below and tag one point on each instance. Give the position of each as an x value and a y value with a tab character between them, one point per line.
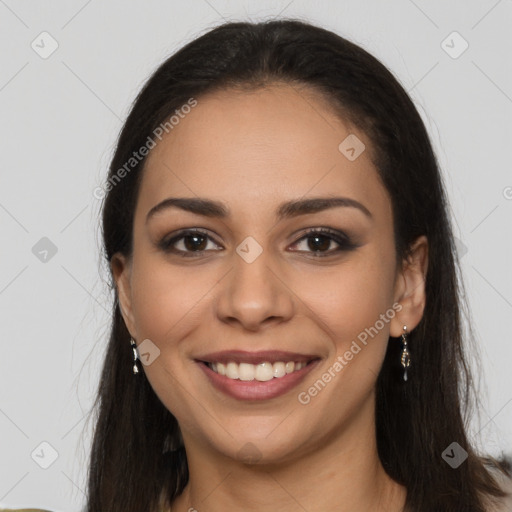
294	208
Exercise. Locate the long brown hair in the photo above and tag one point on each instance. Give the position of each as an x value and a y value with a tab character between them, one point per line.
136	459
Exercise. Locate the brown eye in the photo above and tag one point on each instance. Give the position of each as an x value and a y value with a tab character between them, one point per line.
189	243
319	240
194	242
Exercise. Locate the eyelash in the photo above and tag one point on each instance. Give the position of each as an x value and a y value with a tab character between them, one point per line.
340	238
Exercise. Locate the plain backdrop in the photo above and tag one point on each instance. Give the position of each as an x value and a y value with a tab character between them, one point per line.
60	115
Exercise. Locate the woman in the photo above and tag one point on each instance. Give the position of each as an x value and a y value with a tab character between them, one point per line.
287	325
283	259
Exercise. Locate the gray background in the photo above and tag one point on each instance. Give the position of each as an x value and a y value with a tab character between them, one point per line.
60	117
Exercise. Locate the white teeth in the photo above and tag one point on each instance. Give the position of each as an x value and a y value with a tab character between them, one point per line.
261	372
264	371
279	370
231	371
246	371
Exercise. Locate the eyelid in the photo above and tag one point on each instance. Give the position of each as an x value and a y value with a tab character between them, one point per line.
166	241
344	241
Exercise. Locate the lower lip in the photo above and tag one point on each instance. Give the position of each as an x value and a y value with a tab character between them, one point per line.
255	390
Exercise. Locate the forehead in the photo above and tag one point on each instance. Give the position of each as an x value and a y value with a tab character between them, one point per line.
259	148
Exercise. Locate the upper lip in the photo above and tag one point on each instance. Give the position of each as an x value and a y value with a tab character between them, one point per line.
243	356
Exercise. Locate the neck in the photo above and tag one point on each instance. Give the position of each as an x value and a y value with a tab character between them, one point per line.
342	474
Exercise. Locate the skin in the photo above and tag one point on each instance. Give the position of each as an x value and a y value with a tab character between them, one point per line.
252	151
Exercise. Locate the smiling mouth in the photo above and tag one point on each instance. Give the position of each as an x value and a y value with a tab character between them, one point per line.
256	375
261	372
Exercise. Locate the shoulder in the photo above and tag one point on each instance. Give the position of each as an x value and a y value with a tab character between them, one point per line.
23	510
5	508
505	503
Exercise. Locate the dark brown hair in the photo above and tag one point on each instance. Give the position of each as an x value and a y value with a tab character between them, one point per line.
135	457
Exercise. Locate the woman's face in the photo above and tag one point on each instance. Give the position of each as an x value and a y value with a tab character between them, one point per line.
253	280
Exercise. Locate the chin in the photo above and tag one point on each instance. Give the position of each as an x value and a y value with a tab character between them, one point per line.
257	450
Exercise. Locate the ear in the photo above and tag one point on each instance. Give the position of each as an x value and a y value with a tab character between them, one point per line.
410	288
121	271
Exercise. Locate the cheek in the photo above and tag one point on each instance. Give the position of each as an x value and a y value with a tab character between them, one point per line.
351	297
168	304
355	304
167	298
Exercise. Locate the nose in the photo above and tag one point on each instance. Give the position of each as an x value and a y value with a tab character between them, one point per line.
255	294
